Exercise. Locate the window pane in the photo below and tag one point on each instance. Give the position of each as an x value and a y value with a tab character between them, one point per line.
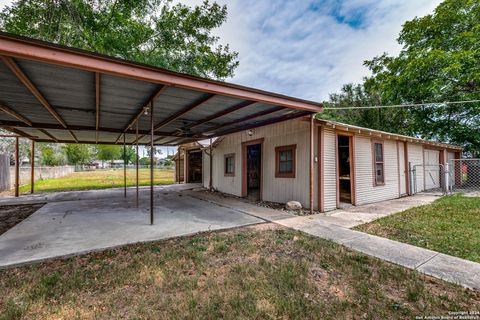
378	152
283	156
229	164
283	167
289	155
379	173
289	166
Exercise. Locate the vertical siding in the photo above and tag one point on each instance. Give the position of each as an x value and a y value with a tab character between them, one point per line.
415	157
330	170
366	192
206	169
274	189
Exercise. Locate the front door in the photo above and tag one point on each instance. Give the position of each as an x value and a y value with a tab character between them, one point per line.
254	170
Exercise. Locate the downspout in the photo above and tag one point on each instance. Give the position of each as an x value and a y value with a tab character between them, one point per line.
312	130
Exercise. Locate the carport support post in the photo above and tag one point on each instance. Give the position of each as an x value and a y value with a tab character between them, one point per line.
210	183
32	168
124	168
136	161
312	129
152	129
17	167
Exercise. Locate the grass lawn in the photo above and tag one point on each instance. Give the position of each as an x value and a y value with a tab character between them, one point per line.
260	272
449	225
100	179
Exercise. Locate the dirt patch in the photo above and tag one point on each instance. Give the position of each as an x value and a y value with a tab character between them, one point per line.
12	215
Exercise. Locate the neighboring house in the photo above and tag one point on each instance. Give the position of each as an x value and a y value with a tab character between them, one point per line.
352	165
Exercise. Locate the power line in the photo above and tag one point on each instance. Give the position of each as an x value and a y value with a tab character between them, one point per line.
430	104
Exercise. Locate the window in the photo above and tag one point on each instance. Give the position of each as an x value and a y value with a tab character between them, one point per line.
378	163
230	164
285	161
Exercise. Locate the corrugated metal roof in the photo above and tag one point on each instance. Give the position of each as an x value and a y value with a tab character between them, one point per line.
71	93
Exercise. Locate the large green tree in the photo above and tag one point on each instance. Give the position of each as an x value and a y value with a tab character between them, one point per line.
439	61
156	32
78	153
106	152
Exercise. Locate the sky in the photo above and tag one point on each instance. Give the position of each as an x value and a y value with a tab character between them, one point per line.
307	48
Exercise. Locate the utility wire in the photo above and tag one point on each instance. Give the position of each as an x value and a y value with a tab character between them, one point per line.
430	104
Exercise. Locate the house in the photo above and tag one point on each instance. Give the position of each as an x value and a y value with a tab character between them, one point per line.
352	165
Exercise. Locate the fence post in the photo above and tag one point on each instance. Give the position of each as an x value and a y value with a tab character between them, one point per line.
447	177
410	189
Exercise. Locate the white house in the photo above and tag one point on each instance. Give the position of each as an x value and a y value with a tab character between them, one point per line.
352	165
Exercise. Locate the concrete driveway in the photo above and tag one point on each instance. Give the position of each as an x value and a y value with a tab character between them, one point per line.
73	227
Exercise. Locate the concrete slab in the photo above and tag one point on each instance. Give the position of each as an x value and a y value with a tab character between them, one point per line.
453	269
72	227
264	213
90	194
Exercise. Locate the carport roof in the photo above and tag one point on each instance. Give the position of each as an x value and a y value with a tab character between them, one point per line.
53	93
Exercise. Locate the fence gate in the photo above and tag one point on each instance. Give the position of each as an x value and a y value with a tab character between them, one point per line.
427	177
464	175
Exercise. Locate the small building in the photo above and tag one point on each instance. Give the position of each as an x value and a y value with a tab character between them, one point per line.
352	165
192	168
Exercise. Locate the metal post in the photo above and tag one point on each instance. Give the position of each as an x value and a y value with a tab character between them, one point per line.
124	168
312	129
17	168
32	168
136	166
410	189
152	128
210	182
447	177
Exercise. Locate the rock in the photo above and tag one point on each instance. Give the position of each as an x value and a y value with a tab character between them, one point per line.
293	205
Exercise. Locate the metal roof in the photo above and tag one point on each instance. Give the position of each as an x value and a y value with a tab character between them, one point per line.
384	134
53	93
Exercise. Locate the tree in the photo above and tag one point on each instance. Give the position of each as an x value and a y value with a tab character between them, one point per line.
106	152
129	155
439	62
391	120
51	154
155	32
78	153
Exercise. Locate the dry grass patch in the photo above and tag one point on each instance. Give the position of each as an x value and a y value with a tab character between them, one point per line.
262	273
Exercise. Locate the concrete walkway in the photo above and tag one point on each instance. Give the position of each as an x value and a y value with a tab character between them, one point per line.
336	227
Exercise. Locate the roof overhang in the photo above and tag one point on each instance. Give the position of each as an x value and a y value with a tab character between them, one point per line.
54	93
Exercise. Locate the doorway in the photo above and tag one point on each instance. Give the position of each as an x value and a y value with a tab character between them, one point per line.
194	166
344	171
252	174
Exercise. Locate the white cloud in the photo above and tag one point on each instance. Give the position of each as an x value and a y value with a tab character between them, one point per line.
288	48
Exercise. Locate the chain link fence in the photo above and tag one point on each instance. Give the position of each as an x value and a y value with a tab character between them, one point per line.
428	177
464	175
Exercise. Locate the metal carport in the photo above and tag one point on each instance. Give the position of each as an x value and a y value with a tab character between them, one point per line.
52	93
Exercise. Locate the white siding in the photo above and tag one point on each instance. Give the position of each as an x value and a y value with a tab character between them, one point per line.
274	189
415	157
206	169
366	192
330	170
402	169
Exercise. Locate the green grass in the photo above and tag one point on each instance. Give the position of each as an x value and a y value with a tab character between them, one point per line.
248	273
449	225
100	179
